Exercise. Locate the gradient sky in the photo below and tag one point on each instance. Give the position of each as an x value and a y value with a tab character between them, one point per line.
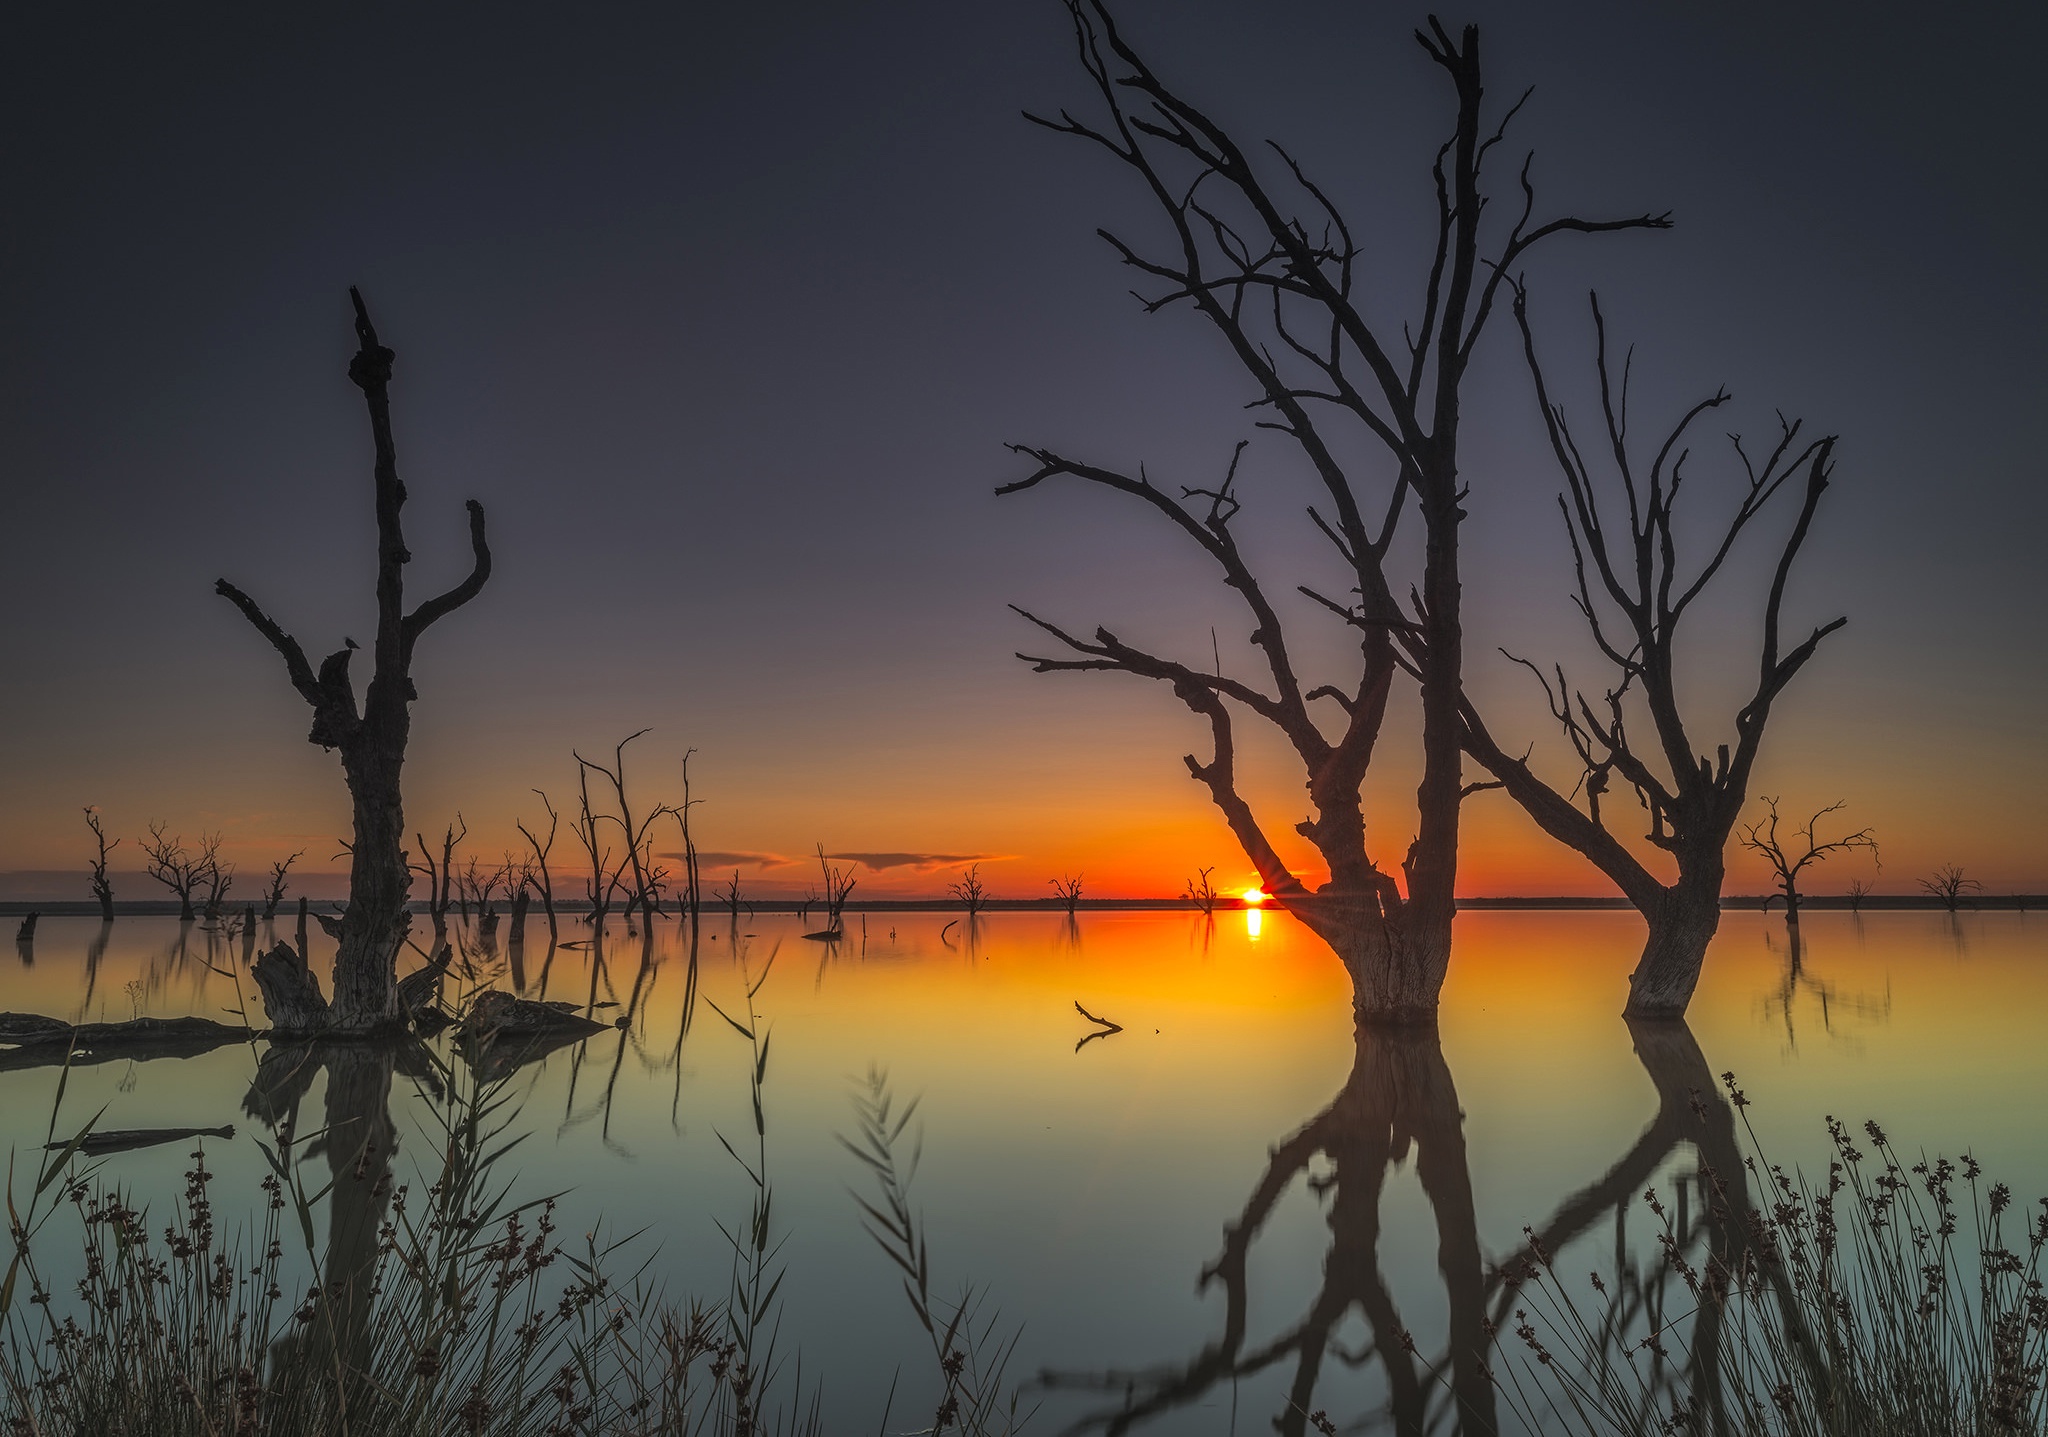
725	313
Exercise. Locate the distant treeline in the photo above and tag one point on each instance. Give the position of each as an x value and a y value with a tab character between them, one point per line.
2011	902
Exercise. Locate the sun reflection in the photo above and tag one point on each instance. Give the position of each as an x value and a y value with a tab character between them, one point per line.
1253	919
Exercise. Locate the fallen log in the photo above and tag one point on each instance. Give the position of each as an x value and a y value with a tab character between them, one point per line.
28	1040
501	1033
122	1140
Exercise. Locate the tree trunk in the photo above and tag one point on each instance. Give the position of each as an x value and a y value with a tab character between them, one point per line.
290	992
375	924
1397	960
1682	923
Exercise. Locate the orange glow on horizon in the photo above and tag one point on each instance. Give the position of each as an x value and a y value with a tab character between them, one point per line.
1253	897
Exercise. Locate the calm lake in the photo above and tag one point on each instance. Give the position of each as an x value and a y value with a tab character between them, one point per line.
1217	1220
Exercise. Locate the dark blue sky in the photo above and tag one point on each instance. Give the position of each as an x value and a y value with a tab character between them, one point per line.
726	312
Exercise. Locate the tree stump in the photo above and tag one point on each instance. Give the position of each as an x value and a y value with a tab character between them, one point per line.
291	994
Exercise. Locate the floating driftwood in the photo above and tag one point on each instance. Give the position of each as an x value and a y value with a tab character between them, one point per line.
1104	1027
122	1140
32	1041
826	935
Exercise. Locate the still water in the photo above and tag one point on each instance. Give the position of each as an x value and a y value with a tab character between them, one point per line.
1217	1220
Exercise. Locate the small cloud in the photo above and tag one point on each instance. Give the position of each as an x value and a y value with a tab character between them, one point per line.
920	862
718	858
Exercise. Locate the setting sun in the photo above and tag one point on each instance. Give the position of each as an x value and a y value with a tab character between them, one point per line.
1253	897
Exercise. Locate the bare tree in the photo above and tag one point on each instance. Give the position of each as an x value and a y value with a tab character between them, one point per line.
372	738
1068	889
537	876
730	896
648	878
1634	594
1949	884
970	891
1858	890
441	891
1200	891
220	877
1786	864
102	886
273	892
604	878
839	885
1265	256
176	869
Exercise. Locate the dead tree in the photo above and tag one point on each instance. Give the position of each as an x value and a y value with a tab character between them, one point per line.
102	886
839	885
1858	890
1264	254
219	877
1949	884
1200	891
372	738
1787	864
440	876
1068	889
1634	595
604	878
537	875
170	864
647	877
273	892
970	891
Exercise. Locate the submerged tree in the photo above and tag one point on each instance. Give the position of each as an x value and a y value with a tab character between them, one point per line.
1786	863
175	867
372	738
102	885
1264	254
1949	884
1633	594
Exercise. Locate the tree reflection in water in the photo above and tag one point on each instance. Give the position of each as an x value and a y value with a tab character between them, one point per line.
1401	1100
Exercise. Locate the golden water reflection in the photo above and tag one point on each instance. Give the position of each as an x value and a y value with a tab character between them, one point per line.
1235	1204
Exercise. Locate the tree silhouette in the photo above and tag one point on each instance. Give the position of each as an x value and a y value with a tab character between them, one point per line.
1787	863
1264	254
1633	594
372	738
1949	884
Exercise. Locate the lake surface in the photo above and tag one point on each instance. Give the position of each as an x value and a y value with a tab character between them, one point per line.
1218	1220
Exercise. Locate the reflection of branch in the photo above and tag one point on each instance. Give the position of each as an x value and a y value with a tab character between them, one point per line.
1107	1027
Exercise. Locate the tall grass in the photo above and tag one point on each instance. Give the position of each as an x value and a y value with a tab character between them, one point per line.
1892	1299
444	1307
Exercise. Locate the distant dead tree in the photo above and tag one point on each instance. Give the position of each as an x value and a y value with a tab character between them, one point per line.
273	892
730	896
1786	863
648	878
102	886
440	876
839	884
605	876
520	881
176	869
537	876
1264	254
219	877
1858	890
1200	891
1068	889
1949	884
973	896
372	738
1633	595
